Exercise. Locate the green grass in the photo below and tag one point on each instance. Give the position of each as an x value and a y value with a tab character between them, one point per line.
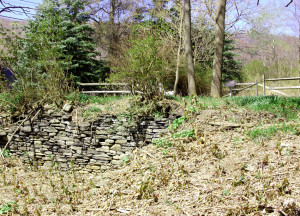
287	107
8	102
87	99
271	131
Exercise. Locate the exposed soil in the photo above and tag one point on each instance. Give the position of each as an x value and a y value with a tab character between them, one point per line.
220	171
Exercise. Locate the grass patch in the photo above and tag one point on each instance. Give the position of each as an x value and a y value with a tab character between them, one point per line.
7	102
287	107
268	133
89	99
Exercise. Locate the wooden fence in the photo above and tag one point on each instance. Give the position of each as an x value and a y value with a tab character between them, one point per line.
109	88
254	86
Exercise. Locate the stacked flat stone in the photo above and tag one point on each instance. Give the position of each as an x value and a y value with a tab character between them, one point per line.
89	146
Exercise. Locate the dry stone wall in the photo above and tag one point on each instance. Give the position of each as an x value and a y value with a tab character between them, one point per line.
89	146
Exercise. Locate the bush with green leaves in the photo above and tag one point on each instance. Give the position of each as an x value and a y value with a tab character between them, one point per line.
145	69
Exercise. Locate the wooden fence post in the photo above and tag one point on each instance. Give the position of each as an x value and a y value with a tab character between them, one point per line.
256	88
264	85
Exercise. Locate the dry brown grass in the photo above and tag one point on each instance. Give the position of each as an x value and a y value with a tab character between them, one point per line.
220	171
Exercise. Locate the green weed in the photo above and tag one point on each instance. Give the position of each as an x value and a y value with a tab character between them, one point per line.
8	207
176	123
164	143
239	180
127	159
226	192
146	190
187	133
5	153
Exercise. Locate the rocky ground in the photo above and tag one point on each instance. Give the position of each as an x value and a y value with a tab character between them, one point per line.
221	161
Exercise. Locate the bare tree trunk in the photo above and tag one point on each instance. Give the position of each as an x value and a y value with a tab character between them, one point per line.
178	56
219	43
111	27
299	55
188	48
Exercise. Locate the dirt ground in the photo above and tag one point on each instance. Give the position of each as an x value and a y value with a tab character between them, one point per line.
218	171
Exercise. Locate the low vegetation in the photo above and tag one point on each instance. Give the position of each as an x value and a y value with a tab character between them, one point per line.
222	157
230	156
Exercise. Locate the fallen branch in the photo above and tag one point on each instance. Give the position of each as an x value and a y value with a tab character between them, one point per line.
10	139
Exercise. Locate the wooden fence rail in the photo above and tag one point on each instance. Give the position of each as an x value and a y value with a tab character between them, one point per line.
249	86
103	84
123	91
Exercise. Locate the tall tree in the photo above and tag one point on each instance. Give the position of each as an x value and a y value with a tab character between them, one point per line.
188	49
219	48
73	43
296	14
178	55
112	31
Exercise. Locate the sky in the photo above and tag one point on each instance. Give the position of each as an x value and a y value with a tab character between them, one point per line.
18	14
32	4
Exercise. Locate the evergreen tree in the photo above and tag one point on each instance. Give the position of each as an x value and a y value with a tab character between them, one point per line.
231	69
67	31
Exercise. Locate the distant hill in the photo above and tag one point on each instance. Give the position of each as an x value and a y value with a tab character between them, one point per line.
267	48
10	23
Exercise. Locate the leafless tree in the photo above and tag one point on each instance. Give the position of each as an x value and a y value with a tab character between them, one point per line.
188	48
219	47
7	7
291	1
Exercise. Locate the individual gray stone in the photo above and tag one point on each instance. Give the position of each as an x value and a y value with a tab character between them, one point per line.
109	141
67	117
3	133
67	107
54	121
84	124
63	138
92	151
50	130
116	147
26	129
121	141
101	137
101	132
93	167
70	143
49	112
160	130
116	137
37	143
117	162
103	157
48	106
